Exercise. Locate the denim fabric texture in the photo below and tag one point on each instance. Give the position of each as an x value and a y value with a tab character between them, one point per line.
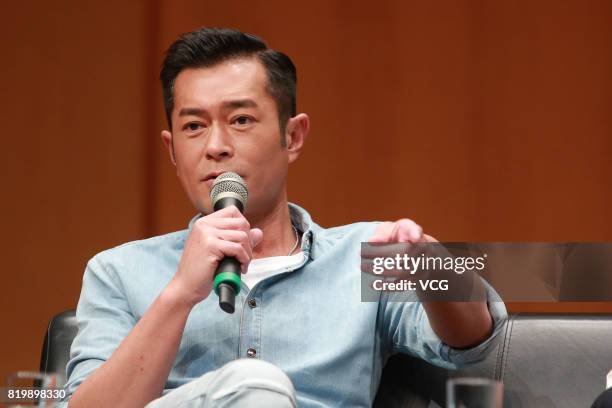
308	321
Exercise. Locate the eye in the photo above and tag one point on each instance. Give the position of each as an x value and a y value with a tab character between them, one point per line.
243	120
193	126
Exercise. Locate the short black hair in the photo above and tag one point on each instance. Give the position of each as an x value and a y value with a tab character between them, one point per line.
207	47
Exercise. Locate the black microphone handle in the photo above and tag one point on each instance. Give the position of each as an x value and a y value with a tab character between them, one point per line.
227	275
227	283
226	202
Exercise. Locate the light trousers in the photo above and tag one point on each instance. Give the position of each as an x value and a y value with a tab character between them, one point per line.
239	383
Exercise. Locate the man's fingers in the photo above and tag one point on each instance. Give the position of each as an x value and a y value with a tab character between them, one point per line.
231	211
256	236
239	237
406	230
403	230
382	232
229	248
247	240
230	223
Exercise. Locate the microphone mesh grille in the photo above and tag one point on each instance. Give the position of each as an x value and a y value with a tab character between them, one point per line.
229	182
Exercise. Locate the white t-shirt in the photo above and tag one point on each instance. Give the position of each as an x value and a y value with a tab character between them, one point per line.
262	268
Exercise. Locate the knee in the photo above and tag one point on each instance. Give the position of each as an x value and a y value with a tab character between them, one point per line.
253	369
250	379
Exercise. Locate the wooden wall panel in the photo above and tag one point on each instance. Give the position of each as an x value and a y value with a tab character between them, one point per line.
73	169
546	130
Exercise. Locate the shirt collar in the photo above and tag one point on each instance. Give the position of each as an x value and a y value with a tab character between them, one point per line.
300	219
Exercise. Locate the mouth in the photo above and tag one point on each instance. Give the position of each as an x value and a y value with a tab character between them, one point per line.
209	179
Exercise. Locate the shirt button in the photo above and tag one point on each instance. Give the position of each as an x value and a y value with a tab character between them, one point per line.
252	303
251	352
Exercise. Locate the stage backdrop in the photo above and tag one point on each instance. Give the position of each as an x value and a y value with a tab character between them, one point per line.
480	120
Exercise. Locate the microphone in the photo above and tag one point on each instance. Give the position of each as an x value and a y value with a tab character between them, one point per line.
228	189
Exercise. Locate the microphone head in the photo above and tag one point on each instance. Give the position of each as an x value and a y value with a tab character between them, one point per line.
229	184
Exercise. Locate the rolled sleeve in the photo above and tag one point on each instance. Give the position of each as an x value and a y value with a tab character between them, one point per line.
104	319
411	333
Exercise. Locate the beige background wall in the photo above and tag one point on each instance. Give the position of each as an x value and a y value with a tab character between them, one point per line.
480	120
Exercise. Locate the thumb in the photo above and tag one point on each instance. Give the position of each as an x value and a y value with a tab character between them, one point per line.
383	232
256	236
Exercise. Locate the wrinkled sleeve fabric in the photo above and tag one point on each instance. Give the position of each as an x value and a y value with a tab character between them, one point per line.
104	319
407	330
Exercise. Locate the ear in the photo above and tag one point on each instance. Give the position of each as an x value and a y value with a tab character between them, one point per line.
167	139
295	134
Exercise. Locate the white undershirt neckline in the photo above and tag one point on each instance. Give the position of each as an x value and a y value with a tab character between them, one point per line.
263	268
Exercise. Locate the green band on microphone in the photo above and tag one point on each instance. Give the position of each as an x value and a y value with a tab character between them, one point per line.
230	278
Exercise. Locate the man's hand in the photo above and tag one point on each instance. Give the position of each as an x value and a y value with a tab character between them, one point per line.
223	233
405	233
403	230
458	324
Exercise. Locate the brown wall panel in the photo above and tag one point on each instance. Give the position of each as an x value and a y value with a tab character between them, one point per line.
546	130
72	170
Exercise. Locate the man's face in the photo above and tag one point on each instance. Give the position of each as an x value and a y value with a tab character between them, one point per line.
225	120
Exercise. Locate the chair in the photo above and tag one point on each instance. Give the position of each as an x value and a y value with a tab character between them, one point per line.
56	346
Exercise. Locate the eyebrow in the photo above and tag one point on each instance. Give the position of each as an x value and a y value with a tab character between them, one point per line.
235	104
240	103
191	111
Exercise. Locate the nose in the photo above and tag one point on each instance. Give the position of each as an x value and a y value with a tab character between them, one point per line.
218	144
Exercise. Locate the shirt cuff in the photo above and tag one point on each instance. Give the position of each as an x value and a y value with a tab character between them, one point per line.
463	357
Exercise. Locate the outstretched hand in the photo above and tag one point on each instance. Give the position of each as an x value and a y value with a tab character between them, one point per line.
402	230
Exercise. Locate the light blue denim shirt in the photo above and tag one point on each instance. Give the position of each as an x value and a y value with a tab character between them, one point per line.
309	321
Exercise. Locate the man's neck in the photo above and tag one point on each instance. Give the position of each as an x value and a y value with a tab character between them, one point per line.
278	233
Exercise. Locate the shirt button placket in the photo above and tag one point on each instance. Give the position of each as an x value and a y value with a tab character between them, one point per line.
252	324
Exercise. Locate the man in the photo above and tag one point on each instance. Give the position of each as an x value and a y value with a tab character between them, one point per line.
148	322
